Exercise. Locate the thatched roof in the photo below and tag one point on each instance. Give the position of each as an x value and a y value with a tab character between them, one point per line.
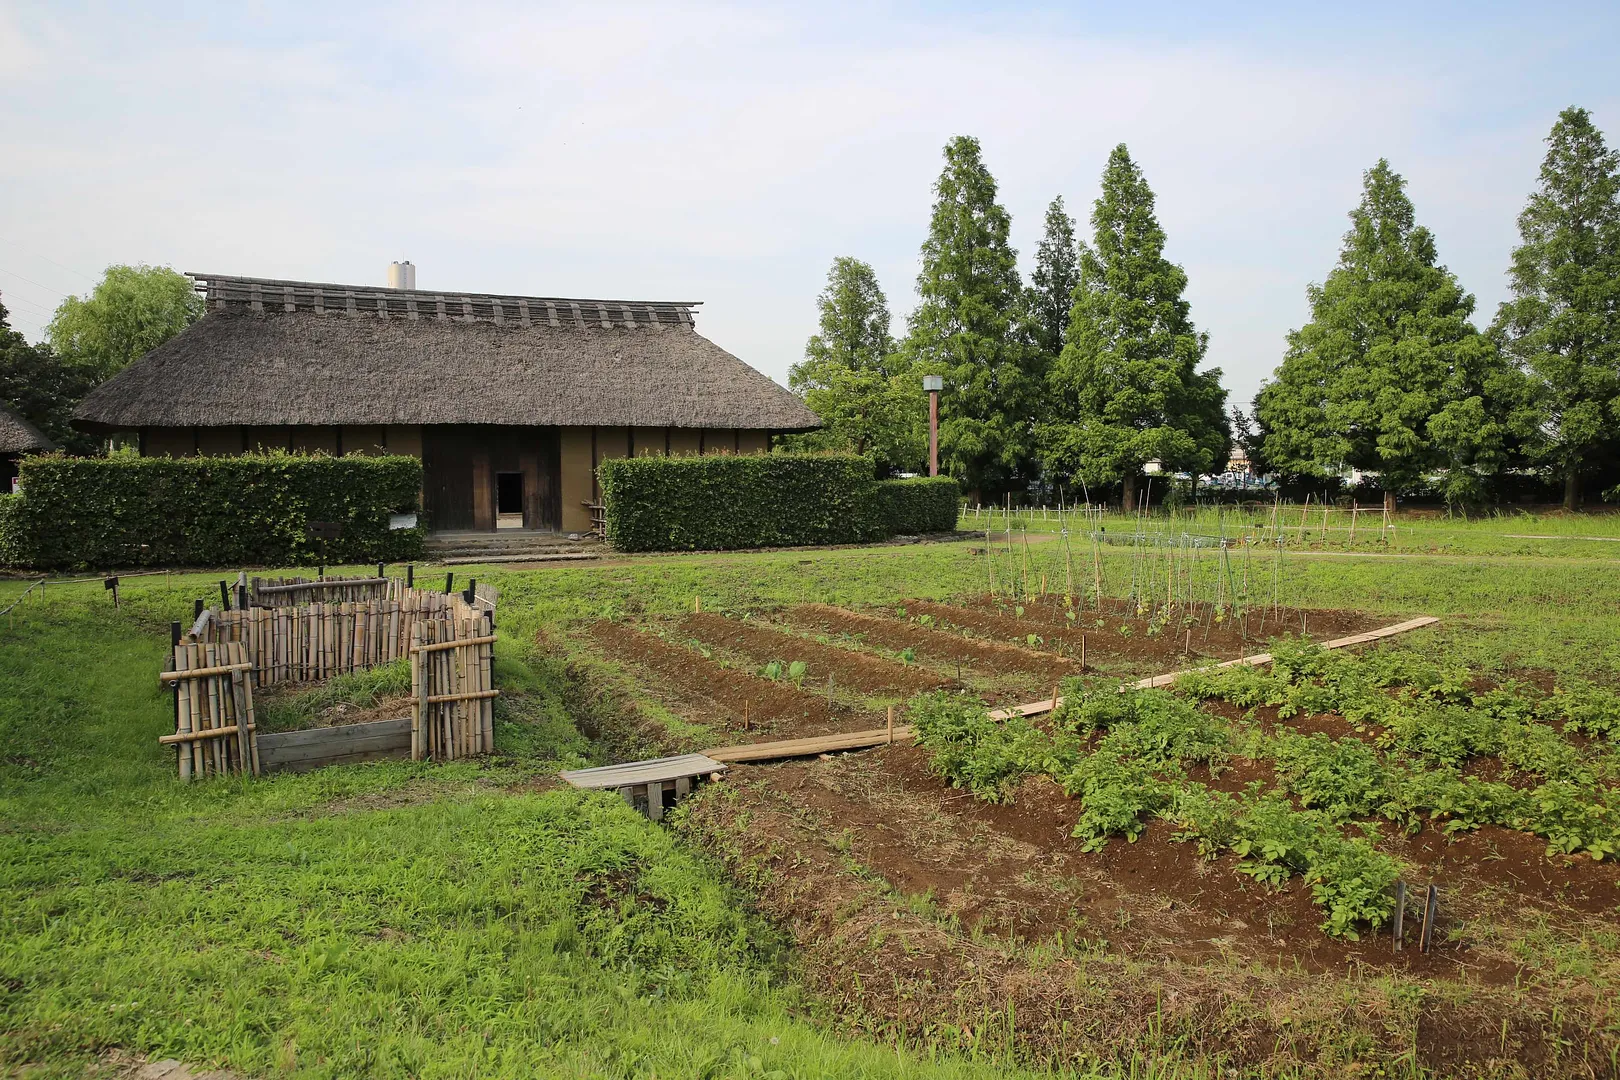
276	353
18	436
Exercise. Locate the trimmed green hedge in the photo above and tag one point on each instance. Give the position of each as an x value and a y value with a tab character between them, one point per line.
247	510
719	502
923	504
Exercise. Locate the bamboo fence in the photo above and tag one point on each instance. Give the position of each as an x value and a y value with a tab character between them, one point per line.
319	640
449	638
452	682
294	592
214	728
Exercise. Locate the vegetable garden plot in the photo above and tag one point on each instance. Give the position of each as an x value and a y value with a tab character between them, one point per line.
912	913
929	644
1121	639
849	669
775	707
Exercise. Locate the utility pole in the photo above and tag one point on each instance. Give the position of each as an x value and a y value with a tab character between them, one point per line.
933	384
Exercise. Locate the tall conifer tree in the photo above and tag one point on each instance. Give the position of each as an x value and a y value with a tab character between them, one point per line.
964	328
1563	322
1051	285
1126	389
1390	375
851	376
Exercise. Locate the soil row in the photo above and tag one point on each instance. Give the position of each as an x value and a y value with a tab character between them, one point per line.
848	669
776	709
930	646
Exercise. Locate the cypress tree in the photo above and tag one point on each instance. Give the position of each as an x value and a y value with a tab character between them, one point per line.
1390	375
964	328
1051	291
1126	389
1563	321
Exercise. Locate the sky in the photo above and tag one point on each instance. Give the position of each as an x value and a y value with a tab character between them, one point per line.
705	151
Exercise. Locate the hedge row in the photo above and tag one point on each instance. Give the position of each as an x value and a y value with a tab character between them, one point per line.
248	510
720	502
923	504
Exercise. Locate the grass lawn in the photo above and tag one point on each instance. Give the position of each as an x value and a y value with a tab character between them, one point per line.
475	919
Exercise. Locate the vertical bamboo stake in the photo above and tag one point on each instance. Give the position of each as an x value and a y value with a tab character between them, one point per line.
416	694
1303	510
181	662
891	725
1082	654
1355	508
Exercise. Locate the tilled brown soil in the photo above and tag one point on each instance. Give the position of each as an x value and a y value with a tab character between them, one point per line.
915	906
776	709
1047	618
862	672
932	646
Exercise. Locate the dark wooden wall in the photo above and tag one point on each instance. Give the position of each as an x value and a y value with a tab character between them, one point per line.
459	464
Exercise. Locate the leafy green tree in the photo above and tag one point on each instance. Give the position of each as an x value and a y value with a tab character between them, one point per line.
133	310
1126	389
37	386
1051	291
1563	321
1390	375
965	329
852	377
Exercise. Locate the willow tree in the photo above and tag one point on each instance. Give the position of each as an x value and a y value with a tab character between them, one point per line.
132	310
965	328
1126	390
1563	321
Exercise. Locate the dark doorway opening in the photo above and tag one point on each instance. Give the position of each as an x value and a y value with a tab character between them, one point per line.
509	493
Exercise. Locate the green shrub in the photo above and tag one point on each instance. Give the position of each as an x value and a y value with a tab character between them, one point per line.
1340	776
1583	707
1118	796
720	502
246	510
15	546
923	504
970	750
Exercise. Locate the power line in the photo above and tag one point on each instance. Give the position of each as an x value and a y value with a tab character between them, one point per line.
48	259
31	281
14	301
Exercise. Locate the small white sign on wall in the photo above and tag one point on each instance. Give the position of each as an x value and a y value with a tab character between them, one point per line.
402	521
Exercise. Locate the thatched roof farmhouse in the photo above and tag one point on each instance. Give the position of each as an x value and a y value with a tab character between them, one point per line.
17	437
510	401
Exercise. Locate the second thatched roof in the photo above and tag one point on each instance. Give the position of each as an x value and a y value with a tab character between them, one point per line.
18	436
279	353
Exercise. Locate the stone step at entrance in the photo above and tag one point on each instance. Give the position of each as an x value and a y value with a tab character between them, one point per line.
507	545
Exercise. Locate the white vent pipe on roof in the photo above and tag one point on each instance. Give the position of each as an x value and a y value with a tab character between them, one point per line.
401	275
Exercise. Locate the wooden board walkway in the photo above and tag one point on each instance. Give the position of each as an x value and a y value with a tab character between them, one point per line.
649	786
860	740
643	772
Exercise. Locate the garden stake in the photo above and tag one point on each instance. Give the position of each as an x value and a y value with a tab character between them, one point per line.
1431	912
745	714
1400	913
891	725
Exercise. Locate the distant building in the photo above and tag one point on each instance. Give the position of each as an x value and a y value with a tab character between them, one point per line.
511	402
1238	461
17	437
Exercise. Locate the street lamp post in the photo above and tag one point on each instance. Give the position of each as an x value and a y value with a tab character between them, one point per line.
933	384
